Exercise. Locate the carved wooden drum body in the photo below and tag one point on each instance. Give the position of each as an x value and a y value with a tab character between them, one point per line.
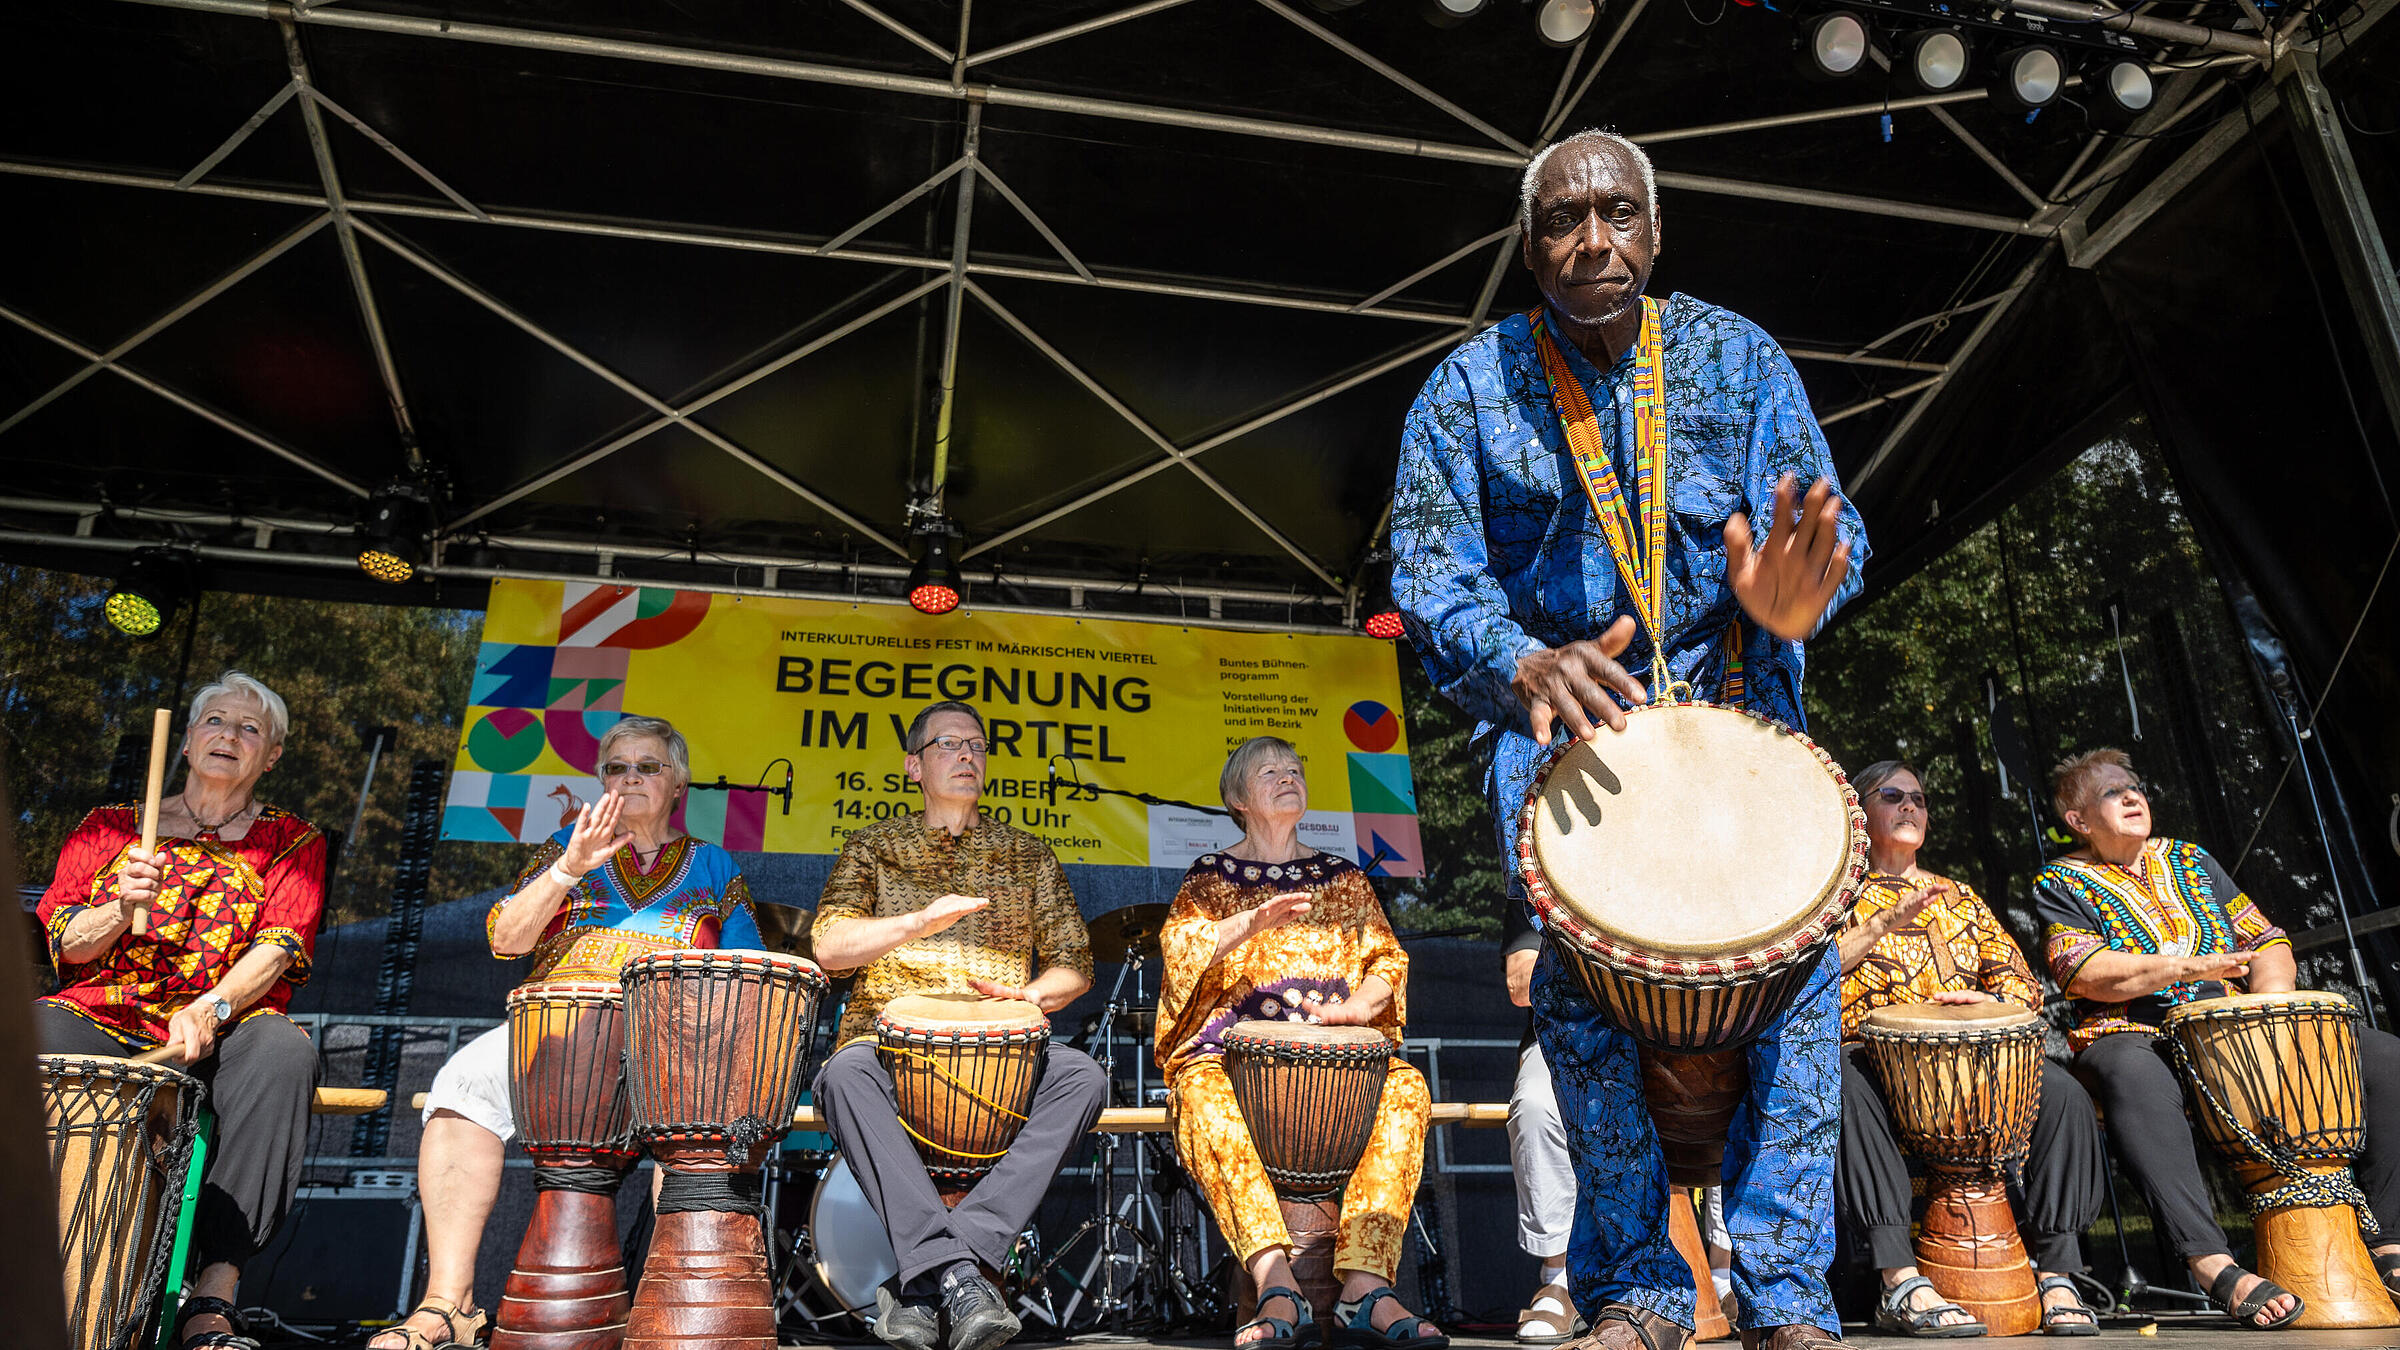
566	1056
965	1068
1965	1085
2275	1087
716	1046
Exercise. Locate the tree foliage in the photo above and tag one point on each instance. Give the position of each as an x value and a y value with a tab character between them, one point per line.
71	687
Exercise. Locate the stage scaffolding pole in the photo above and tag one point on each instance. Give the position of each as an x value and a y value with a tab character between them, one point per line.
2349	220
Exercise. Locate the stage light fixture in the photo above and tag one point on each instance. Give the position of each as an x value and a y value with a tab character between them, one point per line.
2118	91
1833	44
1449	13
155	583
934	585
1934	60
2029	76
1378	613
392	537
1563	23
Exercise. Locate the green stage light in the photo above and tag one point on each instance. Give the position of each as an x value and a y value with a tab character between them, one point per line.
154	584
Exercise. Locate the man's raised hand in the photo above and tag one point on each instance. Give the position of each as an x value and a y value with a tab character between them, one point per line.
945	911
1785	583
1571	683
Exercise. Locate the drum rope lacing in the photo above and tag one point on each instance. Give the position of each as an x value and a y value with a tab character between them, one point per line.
953	1080
688	1192
2302	1189
580	1180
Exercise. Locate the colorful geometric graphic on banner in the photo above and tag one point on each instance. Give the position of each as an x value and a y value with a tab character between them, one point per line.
830	687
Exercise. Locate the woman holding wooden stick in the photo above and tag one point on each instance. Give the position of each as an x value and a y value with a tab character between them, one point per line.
229	900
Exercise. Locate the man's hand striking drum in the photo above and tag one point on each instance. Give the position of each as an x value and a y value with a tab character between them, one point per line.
1785	583
1571	684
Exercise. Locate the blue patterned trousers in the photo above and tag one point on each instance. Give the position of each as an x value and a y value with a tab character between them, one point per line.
1778	1161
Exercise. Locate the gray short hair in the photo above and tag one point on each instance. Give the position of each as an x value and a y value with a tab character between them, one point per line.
916	729
1233	782
234	682
1589	136
658	729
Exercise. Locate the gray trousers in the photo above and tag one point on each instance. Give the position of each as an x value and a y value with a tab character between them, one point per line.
260	1080
862	1113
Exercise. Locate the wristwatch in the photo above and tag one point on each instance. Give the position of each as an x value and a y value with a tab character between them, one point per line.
222	1009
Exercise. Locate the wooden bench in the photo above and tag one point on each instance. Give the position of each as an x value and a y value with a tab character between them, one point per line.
1114	1120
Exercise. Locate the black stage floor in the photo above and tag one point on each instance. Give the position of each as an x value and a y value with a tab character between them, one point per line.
2130	1334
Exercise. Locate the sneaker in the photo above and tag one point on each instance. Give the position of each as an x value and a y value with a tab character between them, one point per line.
906	1323
979	1318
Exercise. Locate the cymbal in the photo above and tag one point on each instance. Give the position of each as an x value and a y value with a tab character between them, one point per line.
1134	927
784	927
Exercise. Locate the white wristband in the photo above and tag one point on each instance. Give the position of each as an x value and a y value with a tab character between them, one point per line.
564	877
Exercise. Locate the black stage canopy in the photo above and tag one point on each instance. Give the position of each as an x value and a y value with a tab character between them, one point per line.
674	290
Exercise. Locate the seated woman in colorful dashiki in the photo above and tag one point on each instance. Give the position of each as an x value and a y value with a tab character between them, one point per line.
1270	928
1916	937
2136	925
618	882
234	889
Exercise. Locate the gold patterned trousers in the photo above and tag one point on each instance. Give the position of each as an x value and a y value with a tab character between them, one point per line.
1216	1148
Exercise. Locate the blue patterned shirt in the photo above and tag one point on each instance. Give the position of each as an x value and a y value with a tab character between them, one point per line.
1497	552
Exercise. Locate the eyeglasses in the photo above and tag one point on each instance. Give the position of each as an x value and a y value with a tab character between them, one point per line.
2137	789
617	768
1892	796
951	745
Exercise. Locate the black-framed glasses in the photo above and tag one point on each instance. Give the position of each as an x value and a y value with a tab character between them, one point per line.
647	768
1892	796
951	745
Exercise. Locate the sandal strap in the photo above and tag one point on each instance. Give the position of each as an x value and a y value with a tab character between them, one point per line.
2220	1292
1350	1312
1641	1320
202	1305
1307	1315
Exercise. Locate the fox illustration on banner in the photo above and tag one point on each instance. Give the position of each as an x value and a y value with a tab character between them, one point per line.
828	688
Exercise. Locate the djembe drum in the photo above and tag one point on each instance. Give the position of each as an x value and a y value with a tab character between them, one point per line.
120	1139
2274	1080
1965	1083
1689	871
566	1059
964	1068
1309	1094
716	1042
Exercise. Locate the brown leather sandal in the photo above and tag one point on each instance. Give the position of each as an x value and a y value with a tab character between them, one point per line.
1651	1331
458	1328
1790	1336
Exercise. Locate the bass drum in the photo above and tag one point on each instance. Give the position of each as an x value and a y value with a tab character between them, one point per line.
849	1251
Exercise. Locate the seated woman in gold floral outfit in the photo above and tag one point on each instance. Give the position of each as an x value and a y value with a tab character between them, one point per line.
1273	929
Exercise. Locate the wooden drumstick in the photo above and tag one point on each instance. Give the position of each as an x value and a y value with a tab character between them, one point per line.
157	1055
159	724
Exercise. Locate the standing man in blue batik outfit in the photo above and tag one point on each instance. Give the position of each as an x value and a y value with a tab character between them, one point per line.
1523	566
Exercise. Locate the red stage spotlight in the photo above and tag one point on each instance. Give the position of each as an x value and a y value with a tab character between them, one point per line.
934	586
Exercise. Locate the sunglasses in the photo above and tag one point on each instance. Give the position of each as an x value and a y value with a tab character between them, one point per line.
617	768
1892	796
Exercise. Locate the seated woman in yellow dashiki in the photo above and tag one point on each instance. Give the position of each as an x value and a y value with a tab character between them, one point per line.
1271	928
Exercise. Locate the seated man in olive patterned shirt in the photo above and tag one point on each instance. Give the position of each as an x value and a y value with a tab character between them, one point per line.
948	899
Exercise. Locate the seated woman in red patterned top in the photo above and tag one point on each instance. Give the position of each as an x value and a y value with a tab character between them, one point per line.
234	888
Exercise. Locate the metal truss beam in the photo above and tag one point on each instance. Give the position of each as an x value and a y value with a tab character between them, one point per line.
1073	30
812	72
1149	433
255	261
1384	68
184	401
345	233
955	315
253	557
1377	370
1994	308
628	387
805	350
923	43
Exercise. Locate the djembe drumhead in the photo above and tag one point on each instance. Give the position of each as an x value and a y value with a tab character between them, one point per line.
964	1068
1691	867
1964	1080
1309	1094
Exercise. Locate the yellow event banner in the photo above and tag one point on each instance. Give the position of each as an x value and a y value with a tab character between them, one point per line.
818	695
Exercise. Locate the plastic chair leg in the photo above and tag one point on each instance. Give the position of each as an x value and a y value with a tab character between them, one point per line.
170	1296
